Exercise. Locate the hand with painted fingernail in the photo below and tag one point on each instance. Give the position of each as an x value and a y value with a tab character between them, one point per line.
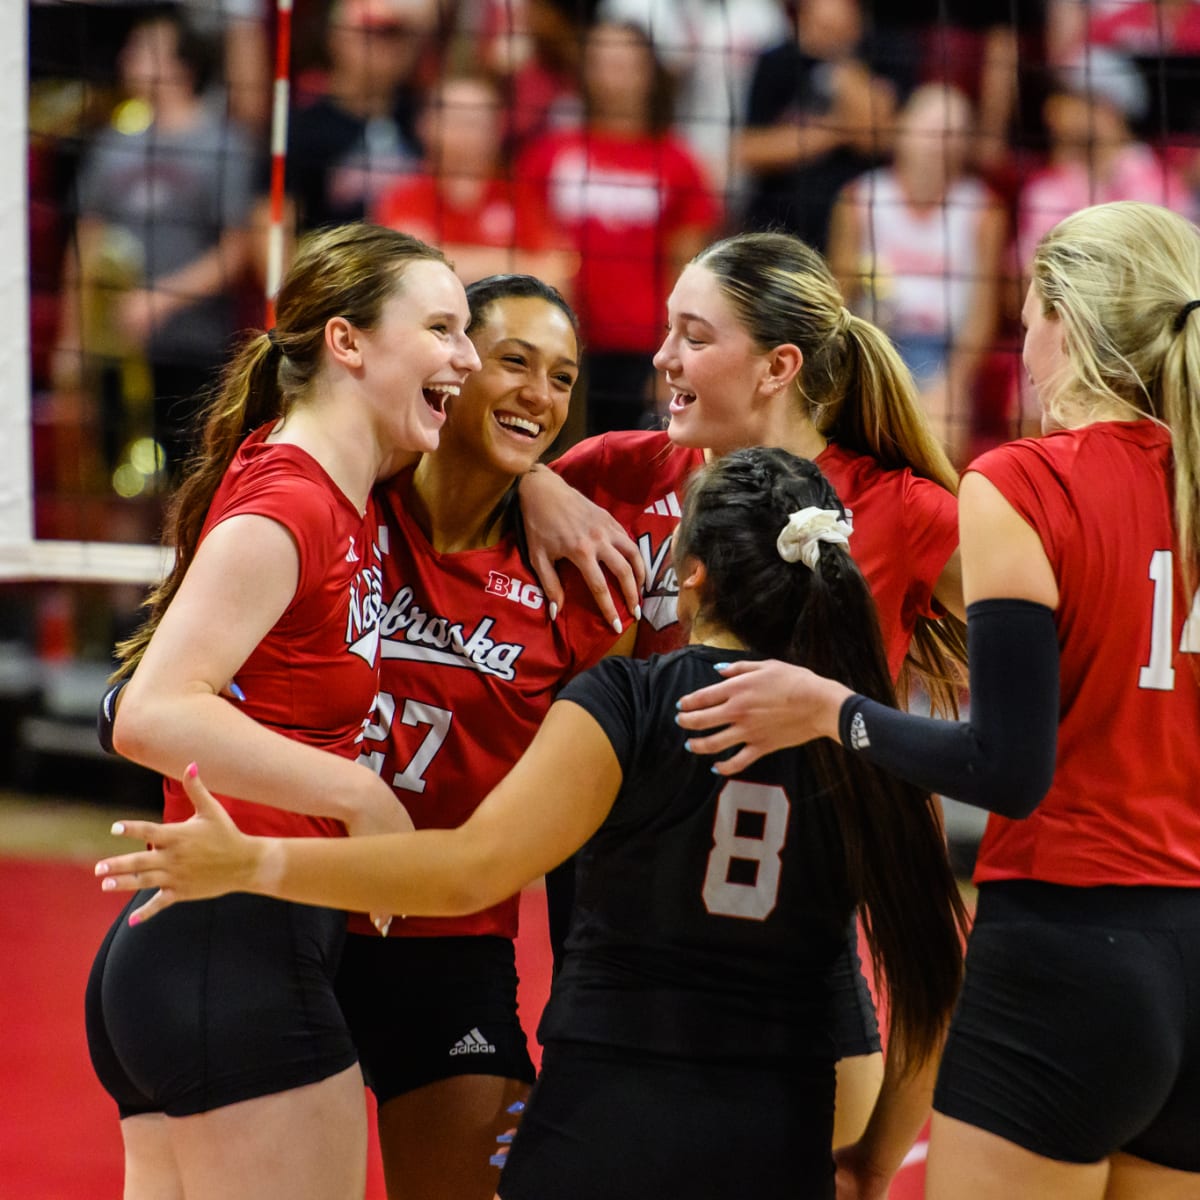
560	523
759	707
201	857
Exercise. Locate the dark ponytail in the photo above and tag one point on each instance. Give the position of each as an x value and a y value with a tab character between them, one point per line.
824	619
349	271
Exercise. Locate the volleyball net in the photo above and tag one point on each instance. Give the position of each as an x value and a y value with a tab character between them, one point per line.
940	150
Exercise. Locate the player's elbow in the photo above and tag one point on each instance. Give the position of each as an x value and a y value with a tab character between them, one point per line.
1013	789
465	897
475	883
1027	792
134	731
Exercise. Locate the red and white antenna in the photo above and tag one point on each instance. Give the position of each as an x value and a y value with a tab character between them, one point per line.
279	129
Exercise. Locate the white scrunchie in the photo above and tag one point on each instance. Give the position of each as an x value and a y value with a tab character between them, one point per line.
800	539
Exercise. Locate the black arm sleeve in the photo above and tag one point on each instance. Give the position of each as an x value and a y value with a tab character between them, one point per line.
107	716
1002	758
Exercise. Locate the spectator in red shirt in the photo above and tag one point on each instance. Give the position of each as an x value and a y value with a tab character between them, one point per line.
484	221
1161	39
638	205
1149	27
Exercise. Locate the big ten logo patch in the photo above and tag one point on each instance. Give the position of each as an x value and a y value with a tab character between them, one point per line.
516	590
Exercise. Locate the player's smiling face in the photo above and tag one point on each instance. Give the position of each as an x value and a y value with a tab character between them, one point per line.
511	409
418	356
715	371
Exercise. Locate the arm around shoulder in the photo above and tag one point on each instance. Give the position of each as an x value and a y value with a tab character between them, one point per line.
560	522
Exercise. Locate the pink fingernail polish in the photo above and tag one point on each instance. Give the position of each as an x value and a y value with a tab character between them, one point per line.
192	770
135	918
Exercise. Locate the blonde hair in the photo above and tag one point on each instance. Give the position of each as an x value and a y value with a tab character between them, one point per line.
1118	277
854	386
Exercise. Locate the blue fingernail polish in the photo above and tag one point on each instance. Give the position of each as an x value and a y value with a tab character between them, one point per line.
516	1107
721	666
236	692
688	746
498	1160
505	1139
714	770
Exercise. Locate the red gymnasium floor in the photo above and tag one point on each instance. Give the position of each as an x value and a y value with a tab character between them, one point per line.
58	1130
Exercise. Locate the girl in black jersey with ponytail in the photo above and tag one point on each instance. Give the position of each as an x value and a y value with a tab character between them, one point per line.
689	1048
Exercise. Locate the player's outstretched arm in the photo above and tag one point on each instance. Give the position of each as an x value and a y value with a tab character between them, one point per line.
547	806
1001	759
205	856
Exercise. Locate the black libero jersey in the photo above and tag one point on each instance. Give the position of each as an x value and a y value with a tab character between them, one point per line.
708	910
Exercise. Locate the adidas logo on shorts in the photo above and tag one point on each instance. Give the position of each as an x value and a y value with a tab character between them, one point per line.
472	1043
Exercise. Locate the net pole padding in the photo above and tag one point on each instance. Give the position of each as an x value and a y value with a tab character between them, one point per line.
16	465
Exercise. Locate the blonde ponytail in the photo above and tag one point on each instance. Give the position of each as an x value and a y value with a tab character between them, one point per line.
1120	278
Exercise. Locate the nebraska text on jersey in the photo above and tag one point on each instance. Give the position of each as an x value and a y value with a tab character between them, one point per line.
409	632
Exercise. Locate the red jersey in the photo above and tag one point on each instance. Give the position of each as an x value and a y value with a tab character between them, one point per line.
1124	807
905	527
640	477
1147	28
505	216
905	530
622	200
470	664
315	674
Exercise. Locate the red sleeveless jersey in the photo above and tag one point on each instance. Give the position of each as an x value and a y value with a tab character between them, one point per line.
314	675
905	527
470	663
1124	807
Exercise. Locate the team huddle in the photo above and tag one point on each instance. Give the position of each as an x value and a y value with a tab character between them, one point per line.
714	774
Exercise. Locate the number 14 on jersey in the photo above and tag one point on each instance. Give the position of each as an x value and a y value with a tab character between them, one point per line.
1159	673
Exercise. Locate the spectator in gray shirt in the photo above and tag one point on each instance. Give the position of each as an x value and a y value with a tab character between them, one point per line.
164	197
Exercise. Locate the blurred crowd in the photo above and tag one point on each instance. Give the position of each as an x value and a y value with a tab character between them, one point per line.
923	145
